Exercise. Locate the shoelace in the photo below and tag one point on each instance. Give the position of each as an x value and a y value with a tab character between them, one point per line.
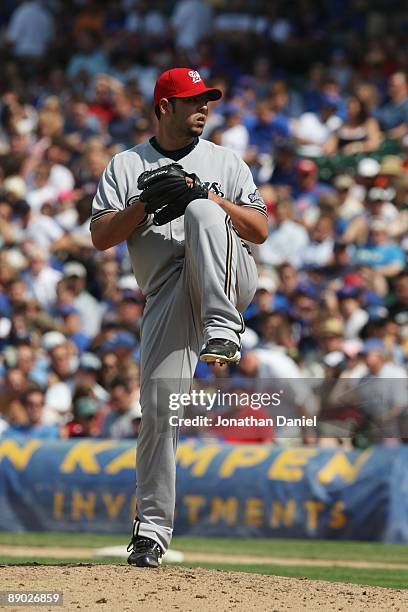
143	545
216	341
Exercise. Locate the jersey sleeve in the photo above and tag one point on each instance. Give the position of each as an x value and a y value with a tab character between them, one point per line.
246	193
108	198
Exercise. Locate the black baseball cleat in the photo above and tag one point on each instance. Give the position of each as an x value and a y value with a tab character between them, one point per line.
144	552
218	350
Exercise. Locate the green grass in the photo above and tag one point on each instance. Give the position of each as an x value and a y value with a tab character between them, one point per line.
300	549
66	540
396	579
306	549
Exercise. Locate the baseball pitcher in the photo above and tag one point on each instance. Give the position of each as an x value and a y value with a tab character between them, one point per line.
187	209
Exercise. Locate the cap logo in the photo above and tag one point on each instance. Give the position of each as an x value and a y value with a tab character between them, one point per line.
195	77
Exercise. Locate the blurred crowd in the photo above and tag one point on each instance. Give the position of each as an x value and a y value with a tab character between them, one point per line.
315	101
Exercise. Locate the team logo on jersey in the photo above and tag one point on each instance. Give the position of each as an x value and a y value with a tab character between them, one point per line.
195	77
255	197
215	188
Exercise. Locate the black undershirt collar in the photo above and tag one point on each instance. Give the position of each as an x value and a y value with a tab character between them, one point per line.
178	153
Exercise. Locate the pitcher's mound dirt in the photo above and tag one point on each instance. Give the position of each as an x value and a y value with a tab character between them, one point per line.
117	588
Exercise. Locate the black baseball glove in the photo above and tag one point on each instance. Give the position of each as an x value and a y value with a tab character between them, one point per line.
167	191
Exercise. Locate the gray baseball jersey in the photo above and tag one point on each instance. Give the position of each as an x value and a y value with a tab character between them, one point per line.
198	276
153	260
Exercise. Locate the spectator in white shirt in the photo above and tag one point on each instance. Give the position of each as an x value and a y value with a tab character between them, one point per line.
235	135
287	239
320	249
145	20
191	20
31	29
58	156
91	311
349	205
40	278
313	132
379	206
354	317
123	411
39	228
273	370
40	188
383	393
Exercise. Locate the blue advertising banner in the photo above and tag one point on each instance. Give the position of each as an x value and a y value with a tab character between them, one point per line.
234	490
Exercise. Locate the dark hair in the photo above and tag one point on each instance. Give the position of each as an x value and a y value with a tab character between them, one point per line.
285	264
329	80
33	388
363	113
400	275
4	197
58	140
120	381
77	97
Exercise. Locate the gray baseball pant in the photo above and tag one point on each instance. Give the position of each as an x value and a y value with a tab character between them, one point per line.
203	299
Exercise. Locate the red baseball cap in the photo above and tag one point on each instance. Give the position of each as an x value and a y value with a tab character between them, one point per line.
182	83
